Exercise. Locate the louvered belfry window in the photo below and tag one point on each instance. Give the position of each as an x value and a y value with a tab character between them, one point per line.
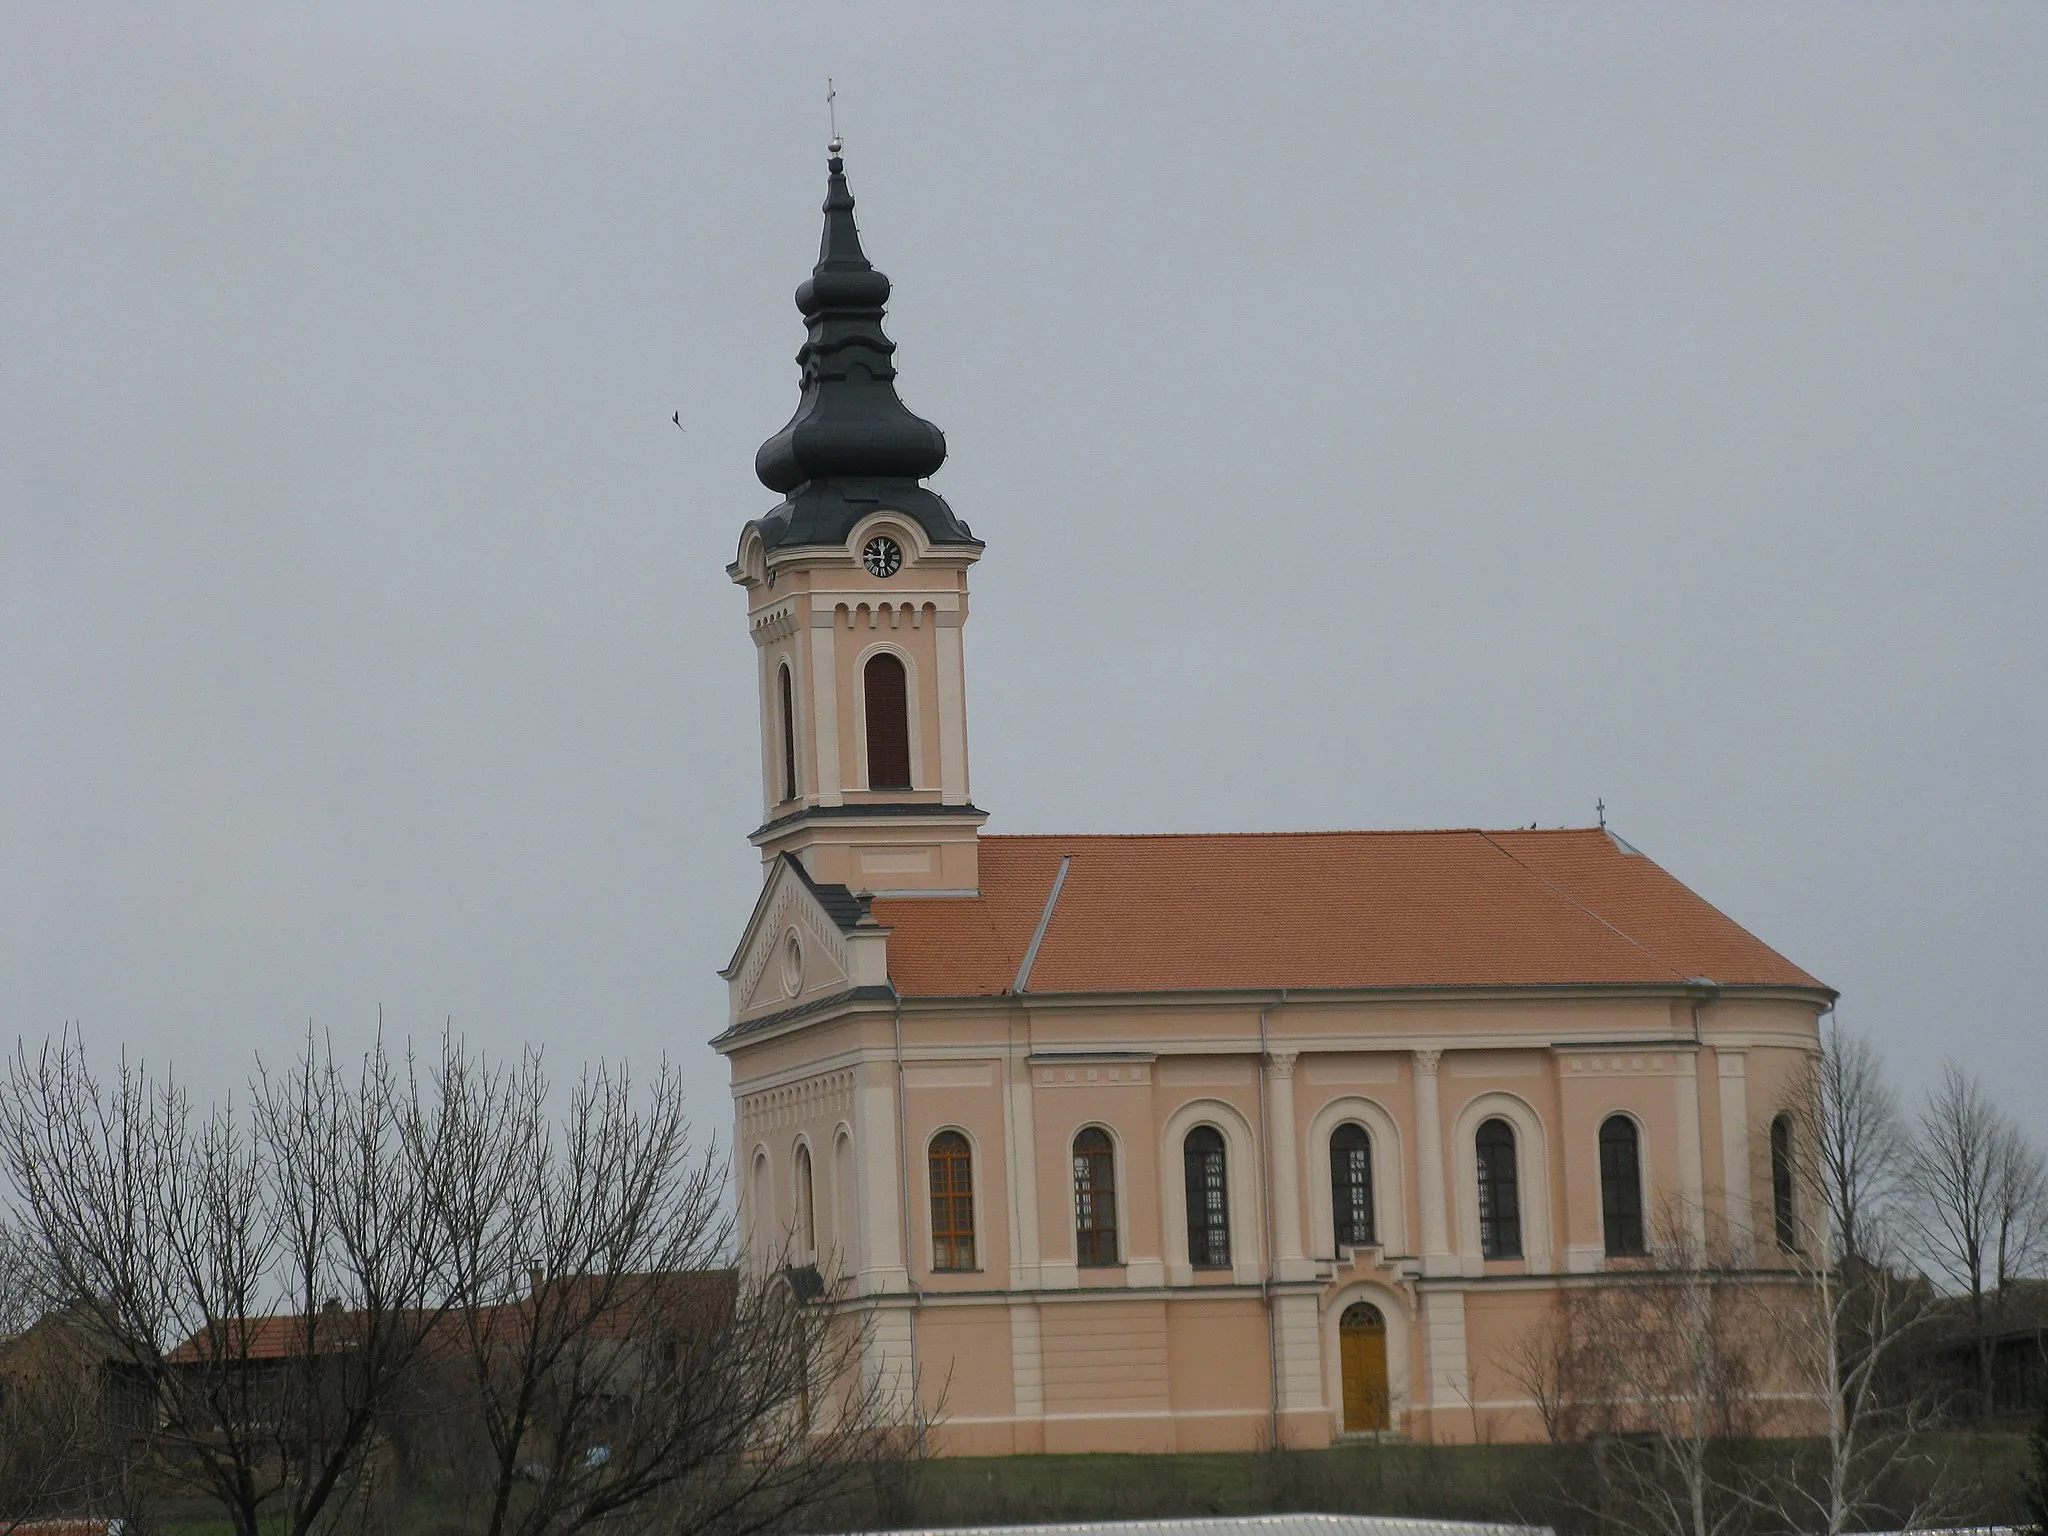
888	718
952	1173
1094	1199
1351	1185
1208	1199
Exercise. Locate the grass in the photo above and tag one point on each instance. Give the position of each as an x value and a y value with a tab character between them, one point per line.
1532	1484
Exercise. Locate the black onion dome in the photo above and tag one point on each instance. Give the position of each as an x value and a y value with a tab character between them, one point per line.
852	444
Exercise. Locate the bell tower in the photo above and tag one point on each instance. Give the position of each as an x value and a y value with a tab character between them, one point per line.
856	593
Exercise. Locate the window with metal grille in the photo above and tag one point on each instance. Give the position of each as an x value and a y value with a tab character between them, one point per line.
1208	1199
1621	1186
788	701
887	691
952	1175
1351	1185
1785	1217
1094	1199
1500	1205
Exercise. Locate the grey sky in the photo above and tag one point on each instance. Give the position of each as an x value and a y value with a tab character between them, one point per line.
1377	416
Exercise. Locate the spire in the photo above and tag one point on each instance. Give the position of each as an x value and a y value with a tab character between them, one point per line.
852	444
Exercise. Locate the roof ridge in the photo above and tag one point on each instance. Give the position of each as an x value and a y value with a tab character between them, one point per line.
1566	896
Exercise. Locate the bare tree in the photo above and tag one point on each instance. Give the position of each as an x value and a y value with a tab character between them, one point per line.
1860	1141
264	1278
1982	1216
1856	1310
1662	1364
397	1285
600	1368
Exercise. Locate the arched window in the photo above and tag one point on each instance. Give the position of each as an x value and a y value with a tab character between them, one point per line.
888	714
763	1213
1208	1199
1782	1212
846	1230
1094	1199
1351	1185
806	1216
1500	1202
787	699
952	1167
1621	1186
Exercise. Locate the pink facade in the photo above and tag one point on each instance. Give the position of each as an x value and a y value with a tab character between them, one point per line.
1030	1352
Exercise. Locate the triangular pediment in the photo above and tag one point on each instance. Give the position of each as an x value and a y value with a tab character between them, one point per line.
796	948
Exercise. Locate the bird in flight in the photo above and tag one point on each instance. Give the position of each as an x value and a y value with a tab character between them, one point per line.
678	420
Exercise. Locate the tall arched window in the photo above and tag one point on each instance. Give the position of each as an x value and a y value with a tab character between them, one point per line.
786	696
762	1216
1208	1199
1094	1199
888	715
952	1170
806	1215
1621	1186
1500	1202
845	1228
1351	1185
1786	1218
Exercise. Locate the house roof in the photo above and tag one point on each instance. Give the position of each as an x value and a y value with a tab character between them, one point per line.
286	1336
1335	910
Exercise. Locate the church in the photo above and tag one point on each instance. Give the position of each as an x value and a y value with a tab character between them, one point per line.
1184	1143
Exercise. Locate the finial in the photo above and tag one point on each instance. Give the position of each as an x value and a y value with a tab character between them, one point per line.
832	112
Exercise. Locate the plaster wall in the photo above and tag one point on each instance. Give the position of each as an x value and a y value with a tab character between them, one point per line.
1152	1354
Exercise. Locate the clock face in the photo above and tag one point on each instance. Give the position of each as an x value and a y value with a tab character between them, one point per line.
883	557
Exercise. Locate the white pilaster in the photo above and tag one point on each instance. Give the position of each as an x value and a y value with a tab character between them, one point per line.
952	709
1019	1126
1027	1362
874	1132
889	1359
1437	1258
1288	1260
1735	1147
825	707
1691	1157
1297	1328
1443	1325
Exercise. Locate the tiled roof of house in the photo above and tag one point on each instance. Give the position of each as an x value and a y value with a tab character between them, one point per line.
286	1336
1207	912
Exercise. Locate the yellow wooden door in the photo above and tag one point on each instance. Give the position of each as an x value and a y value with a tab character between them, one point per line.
1362	1353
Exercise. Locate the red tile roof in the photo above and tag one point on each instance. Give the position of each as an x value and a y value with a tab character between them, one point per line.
1205	912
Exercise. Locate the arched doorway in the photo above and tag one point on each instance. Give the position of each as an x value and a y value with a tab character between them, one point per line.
1362	1351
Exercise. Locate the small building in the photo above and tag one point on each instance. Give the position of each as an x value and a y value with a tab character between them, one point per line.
1185	1142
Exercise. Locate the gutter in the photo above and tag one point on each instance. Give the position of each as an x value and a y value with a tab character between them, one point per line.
1266	1206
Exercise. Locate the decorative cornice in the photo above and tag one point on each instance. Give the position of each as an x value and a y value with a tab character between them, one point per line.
892	810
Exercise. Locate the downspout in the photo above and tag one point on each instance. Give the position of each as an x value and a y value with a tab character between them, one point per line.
903	1218
1266	1206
